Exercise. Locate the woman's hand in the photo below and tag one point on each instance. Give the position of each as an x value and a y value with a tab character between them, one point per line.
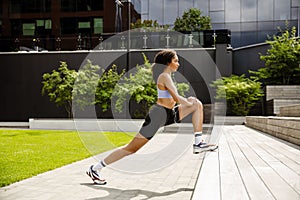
192	100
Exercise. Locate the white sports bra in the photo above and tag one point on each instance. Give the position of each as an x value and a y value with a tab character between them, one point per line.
163	94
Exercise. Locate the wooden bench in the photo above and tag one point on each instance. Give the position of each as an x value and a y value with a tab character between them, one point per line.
249	165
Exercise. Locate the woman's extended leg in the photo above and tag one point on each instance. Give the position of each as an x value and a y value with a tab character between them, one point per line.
136	143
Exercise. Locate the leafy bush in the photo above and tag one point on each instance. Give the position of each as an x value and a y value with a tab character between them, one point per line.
148	25
282	60
240	93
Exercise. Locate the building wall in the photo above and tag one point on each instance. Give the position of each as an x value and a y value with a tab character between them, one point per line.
248	58
250	21
21	77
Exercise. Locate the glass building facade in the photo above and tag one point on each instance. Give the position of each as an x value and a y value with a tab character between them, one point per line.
250	21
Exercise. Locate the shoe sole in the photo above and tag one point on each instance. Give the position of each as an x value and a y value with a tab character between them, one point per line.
197	151
95	180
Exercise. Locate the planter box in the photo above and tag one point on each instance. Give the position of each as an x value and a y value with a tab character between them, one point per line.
86	124
285	128
281	95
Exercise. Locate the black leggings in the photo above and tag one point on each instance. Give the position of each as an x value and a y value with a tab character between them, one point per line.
157	117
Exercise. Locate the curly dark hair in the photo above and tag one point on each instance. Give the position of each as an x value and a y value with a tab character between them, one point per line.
161	60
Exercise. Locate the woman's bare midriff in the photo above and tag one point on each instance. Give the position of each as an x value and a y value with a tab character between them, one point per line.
166	102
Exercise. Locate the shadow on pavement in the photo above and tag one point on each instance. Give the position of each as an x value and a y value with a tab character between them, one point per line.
129	194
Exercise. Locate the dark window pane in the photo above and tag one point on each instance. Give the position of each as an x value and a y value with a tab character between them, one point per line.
29	6
85	26
248	38
69	25
236	39
262	36
16	28
81	5
1	7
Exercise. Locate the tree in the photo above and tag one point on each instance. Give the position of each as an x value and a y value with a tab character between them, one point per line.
282	60
192	20
85	85
240	93
106	85
59	86
81	88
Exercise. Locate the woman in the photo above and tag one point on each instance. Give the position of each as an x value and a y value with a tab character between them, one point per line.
164	112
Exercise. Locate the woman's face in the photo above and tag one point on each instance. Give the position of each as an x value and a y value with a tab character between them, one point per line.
174	63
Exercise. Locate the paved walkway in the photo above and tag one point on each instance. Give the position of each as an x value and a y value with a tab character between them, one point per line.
271	170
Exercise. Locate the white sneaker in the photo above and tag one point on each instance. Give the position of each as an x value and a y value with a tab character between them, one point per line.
202	147
95	176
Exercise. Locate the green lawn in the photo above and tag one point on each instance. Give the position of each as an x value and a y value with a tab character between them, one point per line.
25	153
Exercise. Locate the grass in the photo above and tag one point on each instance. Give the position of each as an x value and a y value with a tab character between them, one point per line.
26	153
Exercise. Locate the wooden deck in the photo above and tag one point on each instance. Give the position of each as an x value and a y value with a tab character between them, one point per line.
249	165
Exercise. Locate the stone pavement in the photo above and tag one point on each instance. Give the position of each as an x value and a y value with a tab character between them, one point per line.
176	180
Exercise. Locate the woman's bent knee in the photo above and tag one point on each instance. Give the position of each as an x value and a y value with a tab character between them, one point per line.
198	104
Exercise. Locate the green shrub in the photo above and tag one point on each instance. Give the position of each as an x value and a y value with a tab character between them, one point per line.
282	60
241	93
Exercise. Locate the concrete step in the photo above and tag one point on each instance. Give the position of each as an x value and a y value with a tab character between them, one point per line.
274	105
290	111
285	128
14	125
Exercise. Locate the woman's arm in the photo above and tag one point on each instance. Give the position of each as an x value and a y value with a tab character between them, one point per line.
167	82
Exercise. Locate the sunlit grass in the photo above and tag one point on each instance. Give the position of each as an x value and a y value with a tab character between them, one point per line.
25	153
